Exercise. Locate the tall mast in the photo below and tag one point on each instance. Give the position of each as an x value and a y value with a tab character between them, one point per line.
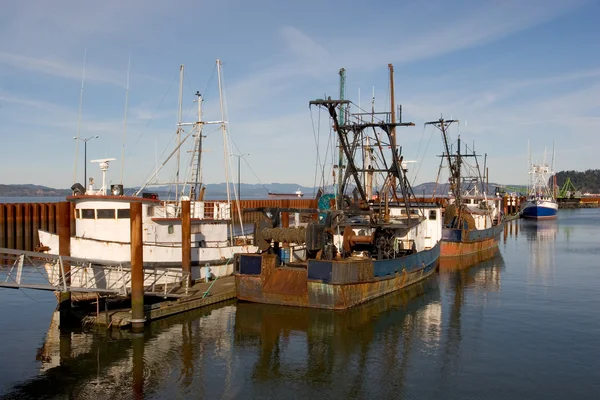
341	122
197	152
224	131
453	166
393	129
179	117
125	119
79	120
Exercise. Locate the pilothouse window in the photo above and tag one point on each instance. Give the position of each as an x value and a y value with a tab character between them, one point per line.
123	213
106	214
88	213
432	214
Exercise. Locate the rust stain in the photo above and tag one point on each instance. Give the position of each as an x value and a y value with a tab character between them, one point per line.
454	249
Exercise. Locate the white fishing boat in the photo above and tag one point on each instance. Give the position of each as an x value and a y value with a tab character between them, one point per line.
541	202
102	226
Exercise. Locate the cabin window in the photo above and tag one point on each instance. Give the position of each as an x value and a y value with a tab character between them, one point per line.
106	214
88	213
123	213
403	212
432	214
171	229
466	201
150	211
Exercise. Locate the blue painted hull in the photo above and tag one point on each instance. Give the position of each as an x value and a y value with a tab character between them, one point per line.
329	284
533	211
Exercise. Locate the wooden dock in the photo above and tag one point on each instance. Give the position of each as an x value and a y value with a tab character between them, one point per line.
201	294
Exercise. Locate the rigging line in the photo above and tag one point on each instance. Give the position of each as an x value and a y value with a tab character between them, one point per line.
420	143
318	161
325	158
204	94
154	114
423	156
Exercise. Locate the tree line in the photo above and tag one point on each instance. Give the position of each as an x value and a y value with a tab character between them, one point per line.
586	181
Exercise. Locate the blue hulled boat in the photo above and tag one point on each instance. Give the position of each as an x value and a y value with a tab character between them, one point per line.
541	202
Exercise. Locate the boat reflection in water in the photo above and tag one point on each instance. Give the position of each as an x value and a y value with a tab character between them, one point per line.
467	284
325	346
178	351
541	238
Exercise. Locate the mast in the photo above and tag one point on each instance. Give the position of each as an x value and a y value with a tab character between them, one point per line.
125	119
453	165
79	120
179	117
369	169
393	128
341	151
225	150
196	161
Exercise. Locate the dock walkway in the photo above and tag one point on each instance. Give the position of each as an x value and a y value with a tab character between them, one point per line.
199	295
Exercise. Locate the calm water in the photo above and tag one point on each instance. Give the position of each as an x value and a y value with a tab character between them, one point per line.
524	324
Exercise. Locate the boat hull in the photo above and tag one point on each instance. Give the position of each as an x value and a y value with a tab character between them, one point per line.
336	285
540	210
457	243
219	259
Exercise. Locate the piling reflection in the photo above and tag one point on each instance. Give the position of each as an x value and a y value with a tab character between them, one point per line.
99	365
326	347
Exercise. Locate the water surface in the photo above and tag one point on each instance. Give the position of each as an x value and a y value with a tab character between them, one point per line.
524	323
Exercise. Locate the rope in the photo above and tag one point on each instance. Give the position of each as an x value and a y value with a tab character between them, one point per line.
154	114
316	135
423	157
216	278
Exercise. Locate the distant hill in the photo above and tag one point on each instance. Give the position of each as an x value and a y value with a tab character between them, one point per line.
219	190
31	191
584	182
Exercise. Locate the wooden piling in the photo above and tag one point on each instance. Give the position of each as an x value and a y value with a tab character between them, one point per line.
72	211
2	230
35	224
64	249
27	227
19	226
10	226
137	373
137	271
44	217
186	239
2	225
51	218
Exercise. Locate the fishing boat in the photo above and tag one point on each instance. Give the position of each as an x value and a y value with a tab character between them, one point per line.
102	225
473	221
362	246
541	202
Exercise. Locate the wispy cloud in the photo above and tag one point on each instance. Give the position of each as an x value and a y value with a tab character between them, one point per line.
61	68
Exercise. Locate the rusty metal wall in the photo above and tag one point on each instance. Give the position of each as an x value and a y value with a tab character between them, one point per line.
255	216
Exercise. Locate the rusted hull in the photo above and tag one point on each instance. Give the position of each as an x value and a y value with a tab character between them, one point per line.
335	285
468	260
456	243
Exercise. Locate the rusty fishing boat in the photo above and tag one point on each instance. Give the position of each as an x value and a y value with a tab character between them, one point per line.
370	238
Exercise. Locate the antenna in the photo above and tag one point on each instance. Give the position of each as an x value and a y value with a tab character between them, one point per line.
125	119
79	118
103	164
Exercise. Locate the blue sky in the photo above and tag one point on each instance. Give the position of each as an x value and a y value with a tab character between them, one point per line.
511	71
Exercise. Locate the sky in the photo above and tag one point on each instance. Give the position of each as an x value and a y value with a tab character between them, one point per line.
513	73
